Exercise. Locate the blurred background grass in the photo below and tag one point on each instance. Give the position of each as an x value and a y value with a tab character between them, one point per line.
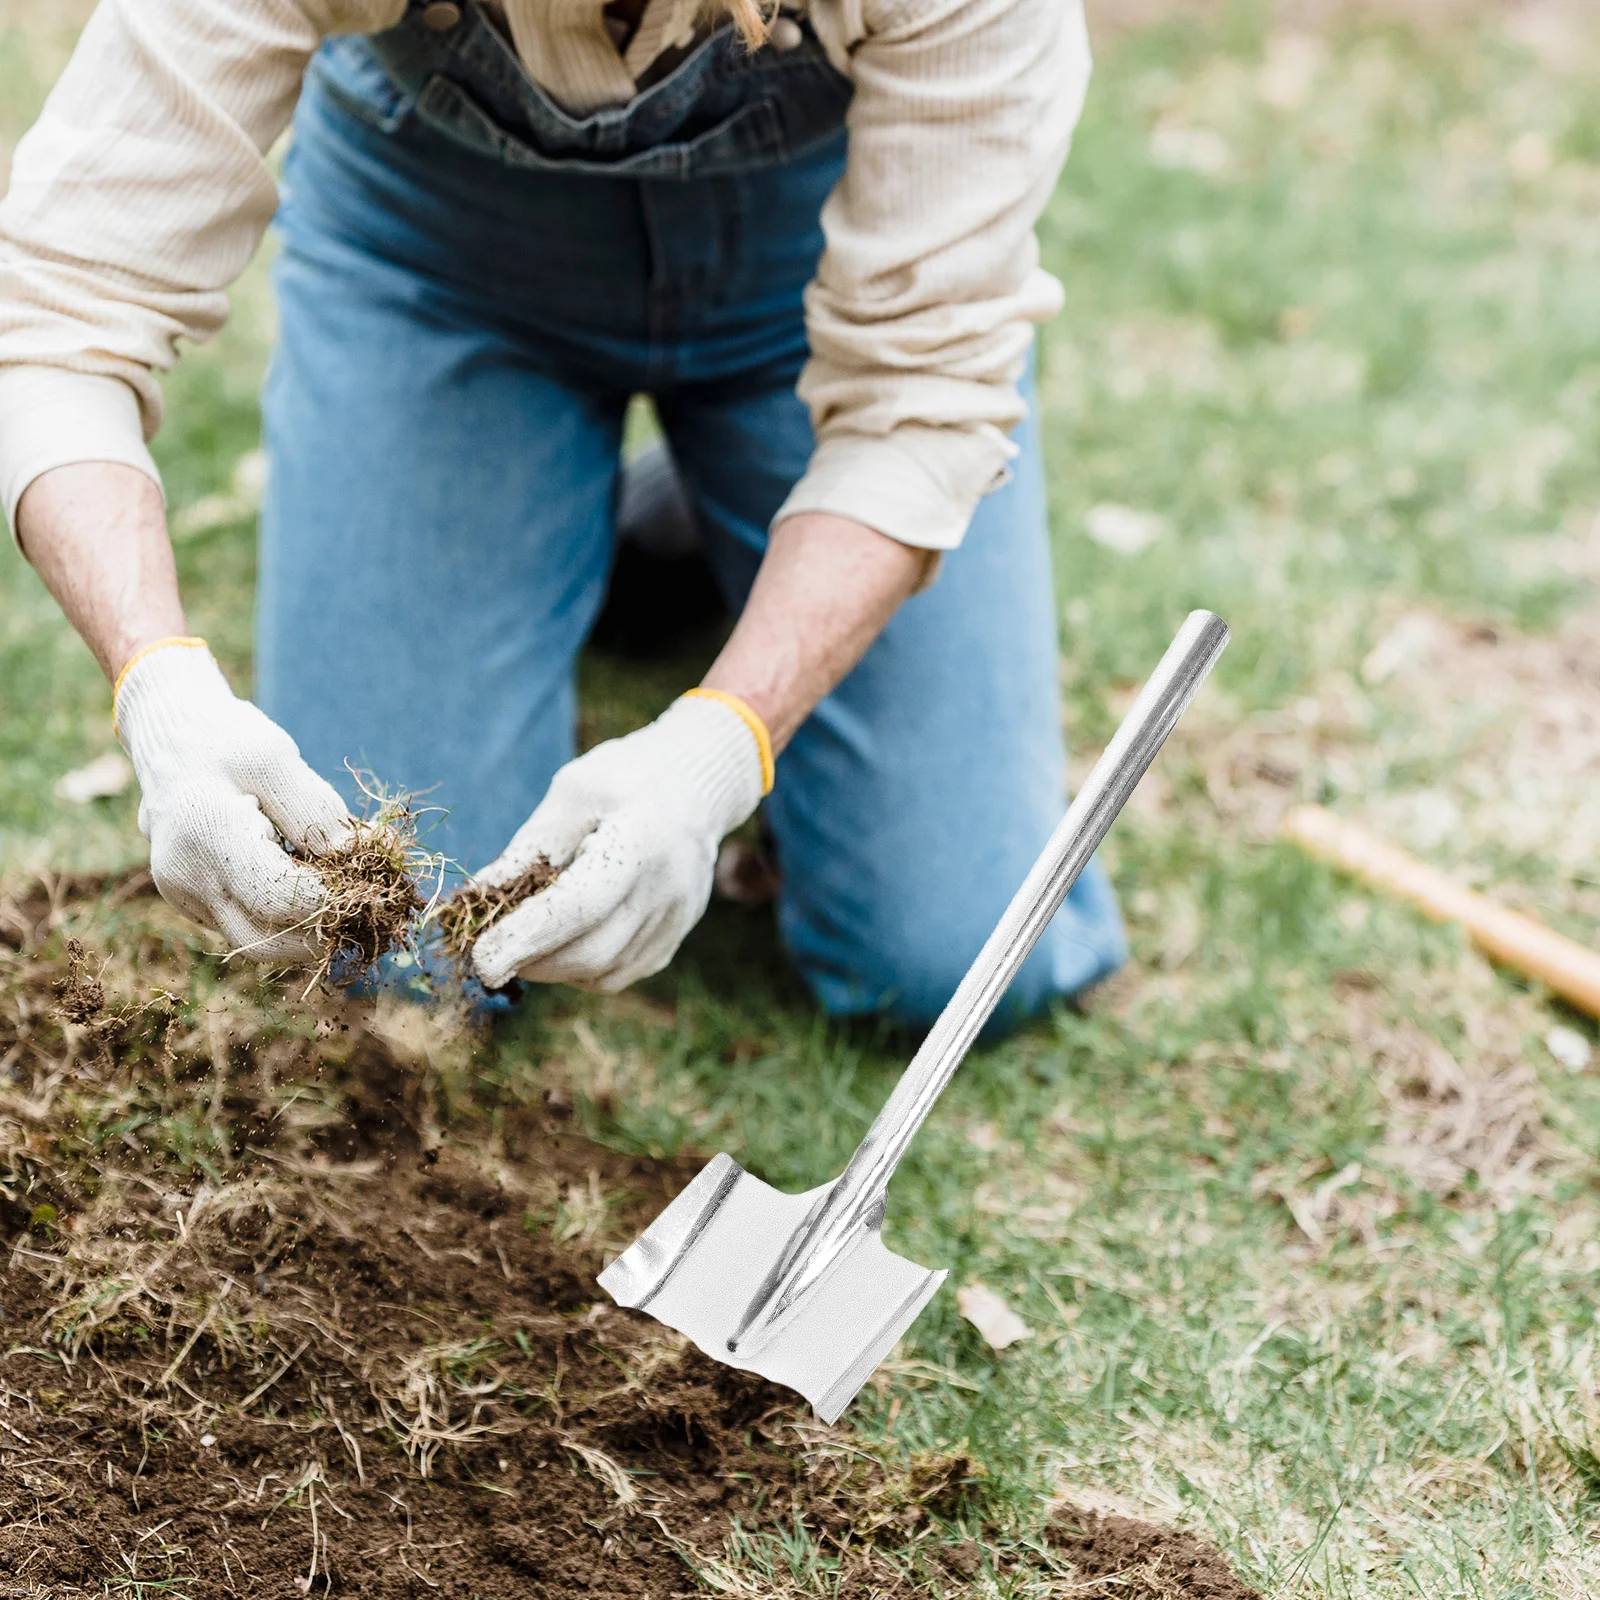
1302	1210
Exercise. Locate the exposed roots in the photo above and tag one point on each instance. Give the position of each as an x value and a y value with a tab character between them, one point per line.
375	897
375	905
474	910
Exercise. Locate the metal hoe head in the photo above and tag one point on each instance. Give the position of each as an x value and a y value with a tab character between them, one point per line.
799	1287
697	1265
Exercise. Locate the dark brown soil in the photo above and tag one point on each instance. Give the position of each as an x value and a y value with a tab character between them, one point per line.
455	1406
342	1344
1141	1561
473	910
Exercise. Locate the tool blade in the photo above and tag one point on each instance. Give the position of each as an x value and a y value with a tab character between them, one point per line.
697	1266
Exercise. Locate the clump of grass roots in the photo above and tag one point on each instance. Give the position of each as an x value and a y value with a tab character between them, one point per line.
472	911
375	902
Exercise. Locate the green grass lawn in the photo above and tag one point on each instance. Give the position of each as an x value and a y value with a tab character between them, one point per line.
1302	1211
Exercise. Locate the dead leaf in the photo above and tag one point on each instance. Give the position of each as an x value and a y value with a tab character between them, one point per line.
1569	1047
999	1325
100	779
1122	529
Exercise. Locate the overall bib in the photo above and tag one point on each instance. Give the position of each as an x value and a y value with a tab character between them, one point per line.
472	284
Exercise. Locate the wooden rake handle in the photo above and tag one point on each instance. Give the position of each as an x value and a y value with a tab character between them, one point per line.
1564	966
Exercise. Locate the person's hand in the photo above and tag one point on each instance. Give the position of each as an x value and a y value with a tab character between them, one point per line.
222	789
634	826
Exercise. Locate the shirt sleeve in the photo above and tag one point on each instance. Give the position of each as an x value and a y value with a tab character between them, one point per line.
922	310
135	200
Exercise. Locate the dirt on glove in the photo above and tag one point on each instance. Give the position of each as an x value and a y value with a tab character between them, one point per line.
289	1313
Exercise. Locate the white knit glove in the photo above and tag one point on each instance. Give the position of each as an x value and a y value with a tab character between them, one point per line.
635	825
222	786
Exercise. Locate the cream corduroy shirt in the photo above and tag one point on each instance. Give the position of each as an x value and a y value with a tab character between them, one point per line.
143	190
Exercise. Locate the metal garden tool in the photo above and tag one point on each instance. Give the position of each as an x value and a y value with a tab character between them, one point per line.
801	1288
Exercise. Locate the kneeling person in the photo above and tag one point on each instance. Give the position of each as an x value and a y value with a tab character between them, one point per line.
808	234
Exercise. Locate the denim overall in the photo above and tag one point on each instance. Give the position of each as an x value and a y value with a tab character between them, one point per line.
472	284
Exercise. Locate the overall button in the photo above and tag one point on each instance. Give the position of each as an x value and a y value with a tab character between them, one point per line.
786	34
441	16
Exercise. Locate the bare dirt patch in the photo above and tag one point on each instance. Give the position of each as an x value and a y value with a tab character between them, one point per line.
375	1391
1141	1560
281	1314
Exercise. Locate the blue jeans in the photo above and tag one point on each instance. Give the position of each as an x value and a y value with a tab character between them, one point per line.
471	287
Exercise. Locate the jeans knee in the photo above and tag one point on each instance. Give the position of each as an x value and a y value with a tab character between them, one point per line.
909	975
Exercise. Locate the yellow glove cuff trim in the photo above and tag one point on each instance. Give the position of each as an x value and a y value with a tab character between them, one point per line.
177	640
752	721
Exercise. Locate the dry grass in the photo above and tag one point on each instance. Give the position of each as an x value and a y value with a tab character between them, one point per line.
1464	740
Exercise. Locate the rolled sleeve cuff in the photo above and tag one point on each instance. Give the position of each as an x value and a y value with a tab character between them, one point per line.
50	417
918	485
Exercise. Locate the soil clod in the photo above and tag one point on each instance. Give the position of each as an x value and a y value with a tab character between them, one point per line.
80	996
1143	1560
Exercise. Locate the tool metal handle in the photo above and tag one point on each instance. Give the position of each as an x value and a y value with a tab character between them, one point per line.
1153	716
858	1196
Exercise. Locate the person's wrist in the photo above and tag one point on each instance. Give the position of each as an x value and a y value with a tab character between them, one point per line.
157	683
719	754
754	722
148	648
